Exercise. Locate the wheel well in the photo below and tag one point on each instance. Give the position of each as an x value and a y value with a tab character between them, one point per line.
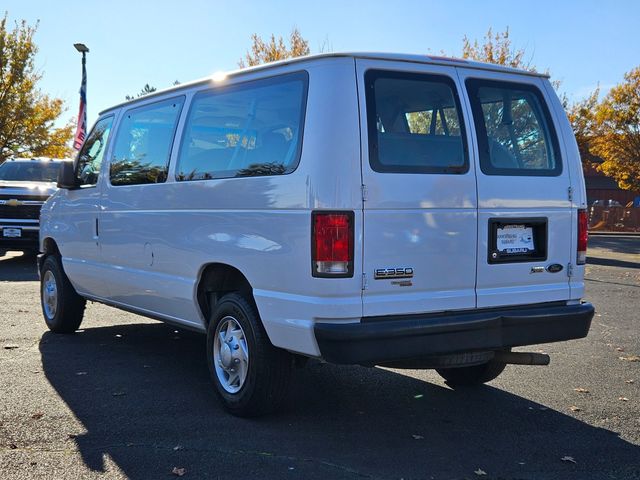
218	279
50	247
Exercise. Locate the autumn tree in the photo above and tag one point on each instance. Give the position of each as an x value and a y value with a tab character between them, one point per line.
616	132
582	116
27	116
274	49
496	48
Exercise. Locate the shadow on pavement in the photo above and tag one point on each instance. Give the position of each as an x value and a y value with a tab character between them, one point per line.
144	397
617	244
18	268
610	262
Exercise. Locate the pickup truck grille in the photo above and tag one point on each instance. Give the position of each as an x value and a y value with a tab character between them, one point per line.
30	212
23	207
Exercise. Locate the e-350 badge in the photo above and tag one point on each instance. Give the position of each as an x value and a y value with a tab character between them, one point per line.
392	273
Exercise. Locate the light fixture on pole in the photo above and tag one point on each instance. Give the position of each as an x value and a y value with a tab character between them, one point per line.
81	130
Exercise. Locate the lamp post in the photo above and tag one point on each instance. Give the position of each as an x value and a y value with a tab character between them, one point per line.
81	130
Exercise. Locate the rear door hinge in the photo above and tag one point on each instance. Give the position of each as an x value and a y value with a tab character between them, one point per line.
364	281
570	270
365	193
570	192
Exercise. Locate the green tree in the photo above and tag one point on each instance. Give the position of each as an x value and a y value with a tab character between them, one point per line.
616	132
147	89
274	49
27	116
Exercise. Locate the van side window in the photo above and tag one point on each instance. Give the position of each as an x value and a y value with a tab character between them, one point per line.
92	152
515	131
143	143
414	123
251	129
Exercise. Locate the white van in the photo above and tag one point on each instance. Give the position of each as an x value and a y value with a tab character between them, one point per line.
372	209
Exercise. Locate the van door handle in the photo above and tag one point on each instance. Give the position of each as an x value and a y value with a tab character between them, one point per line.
97	230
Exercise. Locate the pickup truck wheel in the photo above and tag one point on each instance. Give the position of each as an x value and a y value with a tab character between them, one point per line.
471	376
250	374
62	307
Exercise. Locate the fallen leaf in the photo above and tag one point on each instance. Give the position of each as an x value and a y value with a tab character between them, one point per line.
623	399
417	437
479	472
573	408
568	459
37	415
629	358
179	471
628	381
178	447
13	446
581	390
418	396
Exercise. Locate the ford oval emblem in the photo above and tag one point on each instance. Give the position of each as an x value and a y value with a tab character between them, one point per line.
554	268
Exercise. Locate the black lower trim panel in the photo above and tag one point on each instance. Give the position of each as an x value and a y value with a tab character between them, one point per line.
403	338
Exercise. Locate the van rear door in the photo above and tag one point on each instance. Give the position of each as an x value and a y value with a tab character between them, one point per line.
420	208
525	226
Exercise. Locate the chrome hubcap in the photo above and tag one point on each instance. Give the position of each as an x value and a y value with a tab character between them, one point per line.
49	295
230	355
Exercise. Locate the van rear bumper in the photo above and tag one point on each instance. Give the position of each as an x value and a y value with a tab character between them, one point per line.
378	340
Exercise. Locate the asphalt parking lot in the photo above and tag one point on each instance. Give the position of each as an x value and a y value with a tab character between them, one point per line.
128	397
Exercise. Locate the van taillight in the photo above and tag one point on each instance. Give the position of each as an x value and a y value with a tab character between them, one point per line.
583	235
332	244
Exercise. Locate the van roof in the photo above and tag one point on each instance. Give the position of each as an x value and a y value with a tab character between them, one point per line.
397	57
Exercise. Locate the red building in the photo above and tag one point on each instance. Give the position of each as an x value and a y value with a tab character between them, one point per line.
601	187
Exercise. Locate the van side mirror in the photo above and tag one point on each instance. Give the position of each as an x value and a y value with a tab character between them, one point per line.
67	176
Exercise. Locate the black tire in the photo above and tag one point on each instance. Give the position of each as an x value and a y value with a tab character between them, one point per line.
268	369
472	376
64	313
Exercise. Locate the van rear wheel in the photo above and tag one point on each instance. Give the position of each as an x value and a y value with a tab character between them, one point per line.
250	374
471	376
62	307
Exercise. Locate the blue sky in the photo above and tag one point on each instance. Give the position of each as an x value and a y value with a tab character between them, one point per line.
582	43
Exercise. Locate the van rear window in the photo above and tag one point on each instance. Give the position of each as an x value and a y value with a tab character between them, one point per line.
414	123
250	129
514	127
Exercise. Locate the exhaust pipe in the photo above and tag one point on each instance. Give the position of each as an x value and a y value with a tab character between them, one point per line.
522	358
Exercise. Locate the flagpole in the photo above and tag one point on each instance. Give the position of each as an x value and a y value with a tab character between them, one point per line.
81	130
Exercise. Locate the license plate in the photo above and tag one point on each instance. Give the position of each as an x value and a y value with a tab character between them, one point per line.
12	232
515	239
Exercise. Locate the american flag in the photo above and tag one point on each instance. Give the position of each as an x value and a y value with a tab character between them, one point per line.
81	131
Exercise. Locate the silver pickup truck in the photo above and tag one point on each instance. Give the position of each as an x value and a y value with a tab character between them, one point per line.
25	184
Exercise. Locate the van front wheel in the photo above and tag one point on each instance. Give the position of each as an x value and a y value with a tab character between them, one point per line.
250	374
471	376
62	307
